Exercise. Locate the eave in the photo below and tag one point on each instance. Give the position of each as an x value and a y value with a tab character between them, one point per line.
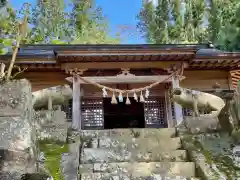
198	56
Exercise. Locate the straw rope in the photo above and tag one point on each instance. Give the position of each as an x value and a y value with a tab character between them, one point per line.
178	73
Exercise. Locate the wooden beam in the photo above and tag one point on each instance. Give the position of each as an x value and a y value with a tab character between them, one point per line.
168	105
76	116
122	79
118	65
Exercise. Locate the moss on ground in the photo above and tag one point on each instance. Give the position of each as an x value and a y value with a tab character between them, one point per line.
53	153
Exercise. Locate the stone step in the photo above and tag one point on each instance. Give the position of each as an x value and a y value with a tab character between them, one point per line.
133	143
161	133
122	176
69	166
98	155
137	169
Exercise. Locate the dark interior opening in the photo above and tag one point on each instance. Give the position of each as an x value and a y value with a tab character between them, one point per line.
122	115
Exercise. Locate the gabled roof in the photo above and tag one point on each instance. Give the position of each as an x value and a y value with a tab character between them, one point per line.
199	56
53	49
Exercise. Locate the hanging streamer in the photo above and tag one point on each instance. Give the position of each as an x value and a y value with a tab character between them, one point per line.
146	93
114	100
120	97
142	98
104	92
128	100
135	96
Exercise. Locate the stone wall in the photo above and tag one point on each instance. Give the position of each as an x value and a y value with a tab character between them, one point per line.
17	135
210	148
51	125
52	141
213	155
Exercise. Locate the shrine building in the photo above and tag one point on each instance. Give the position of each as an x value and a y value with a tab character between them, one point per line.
122	86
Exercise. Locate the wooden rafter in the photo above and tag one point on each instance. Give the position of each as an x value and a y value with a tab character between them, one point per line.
118	65
235	78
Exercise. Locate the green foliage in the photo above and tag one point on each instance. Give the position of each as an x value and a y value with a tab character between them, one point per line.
91	26
147	24
50	22
57	41
172	22
8	25
192	21
4	43
8	29
229	37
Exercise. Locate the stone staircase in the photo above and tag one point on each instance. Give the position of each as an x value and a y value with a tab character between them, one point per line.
133	154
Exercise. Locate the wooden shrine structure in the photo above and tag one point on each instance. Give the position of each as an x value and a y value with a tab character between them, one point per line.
126	67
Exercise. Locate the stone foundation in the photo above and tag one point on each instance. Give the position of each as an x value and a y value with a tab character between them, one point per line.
18	137
51	125
201	124
212	154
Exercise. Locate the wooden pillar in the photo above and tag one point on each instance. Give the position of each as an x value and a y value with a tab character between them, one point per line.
177	108
76	116
230	82
50	106
168	109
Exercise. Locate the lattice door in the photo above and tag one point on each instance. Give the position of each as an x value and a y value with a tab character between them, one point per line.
155	112
92	113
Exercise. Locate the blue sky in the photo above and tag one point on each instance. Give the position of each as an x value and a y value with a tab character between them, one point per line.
120	14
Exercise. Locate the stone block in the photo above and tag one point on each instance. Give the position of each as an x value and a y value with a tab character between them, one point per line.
201	124
51	124
186	169
124	176
69	166
213	156
136	143
134	133
98	155
15	98
17	132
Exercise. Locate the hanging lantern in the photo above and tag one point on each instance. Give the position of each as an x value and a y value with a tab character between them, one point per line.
128	100
114	100
120	97
135	96
142	98
104	92
146	93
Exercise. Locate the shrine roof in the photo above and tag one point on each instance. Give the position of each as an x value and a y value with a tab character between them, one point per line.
197	55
